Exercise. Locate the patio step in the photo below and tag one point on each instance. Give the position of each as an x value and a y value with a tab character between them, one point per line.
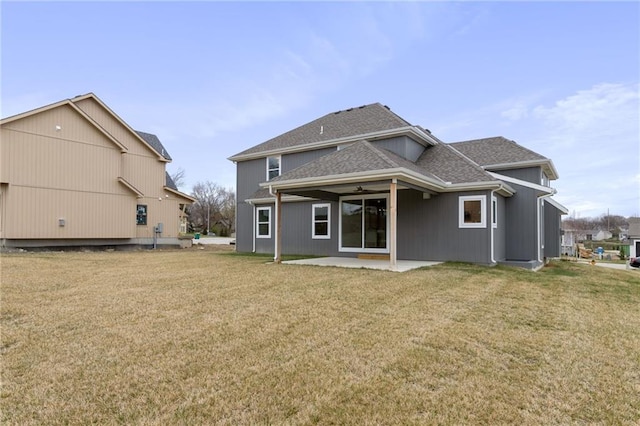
371	256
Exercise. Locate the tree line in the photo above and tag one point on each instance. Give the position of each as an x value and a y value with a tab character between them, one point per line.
214	210
606	222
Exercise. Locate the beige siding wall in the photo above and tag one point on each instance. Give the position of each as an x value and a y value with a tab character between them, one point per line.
35	213
56	164
115	128
163	210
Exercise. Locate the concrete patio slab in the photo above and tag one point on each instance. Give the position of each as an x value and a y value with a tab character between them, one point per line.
350	262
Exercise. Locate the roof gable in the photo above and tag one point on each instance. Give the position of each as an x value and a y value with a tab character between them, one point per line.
356	158
497	153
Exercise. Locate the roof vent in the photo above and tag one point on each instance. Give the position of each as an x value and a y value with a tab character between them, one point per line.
321	129
387	107
350	109
362	106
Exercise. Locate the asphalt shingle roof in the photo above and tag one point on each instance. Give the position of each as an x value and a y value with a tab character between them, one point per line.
155	144
359	157
353	121
495	150
449	165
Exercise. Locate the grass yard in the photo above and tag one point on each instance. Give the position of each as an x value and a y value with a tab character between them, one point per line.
212	337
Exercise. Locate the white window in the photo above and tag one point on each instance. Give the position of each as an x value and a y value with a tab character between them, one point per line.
263	222
494	212
321	221
273	167
472	211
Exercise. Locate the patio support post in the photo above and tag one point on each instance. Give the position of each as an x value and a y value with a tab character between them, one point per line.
278	244
393	222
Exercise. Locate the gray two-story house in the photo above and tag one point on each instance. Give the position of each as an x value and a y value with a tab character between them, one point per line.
365	182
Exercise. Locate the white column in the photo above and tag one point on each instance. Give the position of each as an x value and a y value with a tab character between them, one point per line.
393	219
278	245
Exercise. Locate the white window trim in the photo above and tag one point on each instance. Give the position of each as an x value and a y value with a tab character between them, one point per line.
483	211
279	157
362	249
258	223
313	221
494	211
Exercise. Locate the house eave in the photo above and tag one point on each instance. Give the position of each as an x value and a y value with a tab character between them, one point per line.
546	164
180	194
130	187
402	174
420	136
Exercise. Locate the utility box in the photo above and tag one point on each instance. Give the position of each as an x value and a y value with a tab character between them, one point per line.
159	228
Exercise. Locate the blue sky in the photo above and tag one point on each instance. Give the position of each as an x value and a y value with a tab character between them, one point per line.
214	78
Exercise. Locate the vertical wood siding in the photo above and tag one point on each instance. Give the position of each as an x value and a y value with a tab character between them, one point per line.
57	165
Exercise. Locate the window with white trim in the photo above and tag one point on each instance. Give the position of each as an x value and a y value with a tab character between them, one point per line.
472	210
321	221
494	212
273	167
263	222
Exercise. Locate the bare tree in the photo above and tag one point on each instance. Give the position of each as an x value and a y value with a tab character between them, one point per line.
215	208
178	177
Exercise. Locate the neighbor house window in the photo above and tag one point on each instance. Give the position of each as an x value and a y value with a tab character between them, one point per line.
141	214
321	221
263	222
494	212
273	167
472	211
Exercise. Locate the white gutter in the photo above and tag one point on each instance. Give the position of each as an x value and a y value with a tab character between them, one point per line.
540	200
253	226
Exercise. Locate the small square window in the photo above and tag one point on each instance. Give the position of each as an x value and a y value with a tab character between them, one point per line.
472	211
141	214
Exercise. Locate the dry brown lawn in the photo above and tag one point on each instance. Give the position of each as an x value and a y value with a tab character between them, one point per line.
207	337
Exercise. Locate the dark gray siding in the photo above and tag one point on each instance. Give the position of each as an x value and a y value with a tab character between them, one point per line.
529	174
499	234
249	174
428	229
552	226
521	225
297	222
404	146
291	161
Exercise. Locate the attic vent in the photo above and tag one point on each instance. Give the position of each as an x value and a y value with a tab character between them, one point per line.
337	112
321	129
350	109
362	106
387	107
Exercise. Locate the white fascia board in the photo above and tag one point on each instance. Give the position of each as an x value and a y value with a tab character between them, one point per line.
557	205
545	189
359	177
422	137
406	175
285	199
546	163
500	187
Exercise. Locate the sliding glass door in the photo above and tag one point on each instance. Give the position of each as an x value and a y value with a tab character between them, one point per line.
363	223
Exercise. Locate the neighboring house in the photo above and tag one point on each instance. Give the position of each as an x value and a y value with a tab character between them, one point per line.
365	182
634	237
74	174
